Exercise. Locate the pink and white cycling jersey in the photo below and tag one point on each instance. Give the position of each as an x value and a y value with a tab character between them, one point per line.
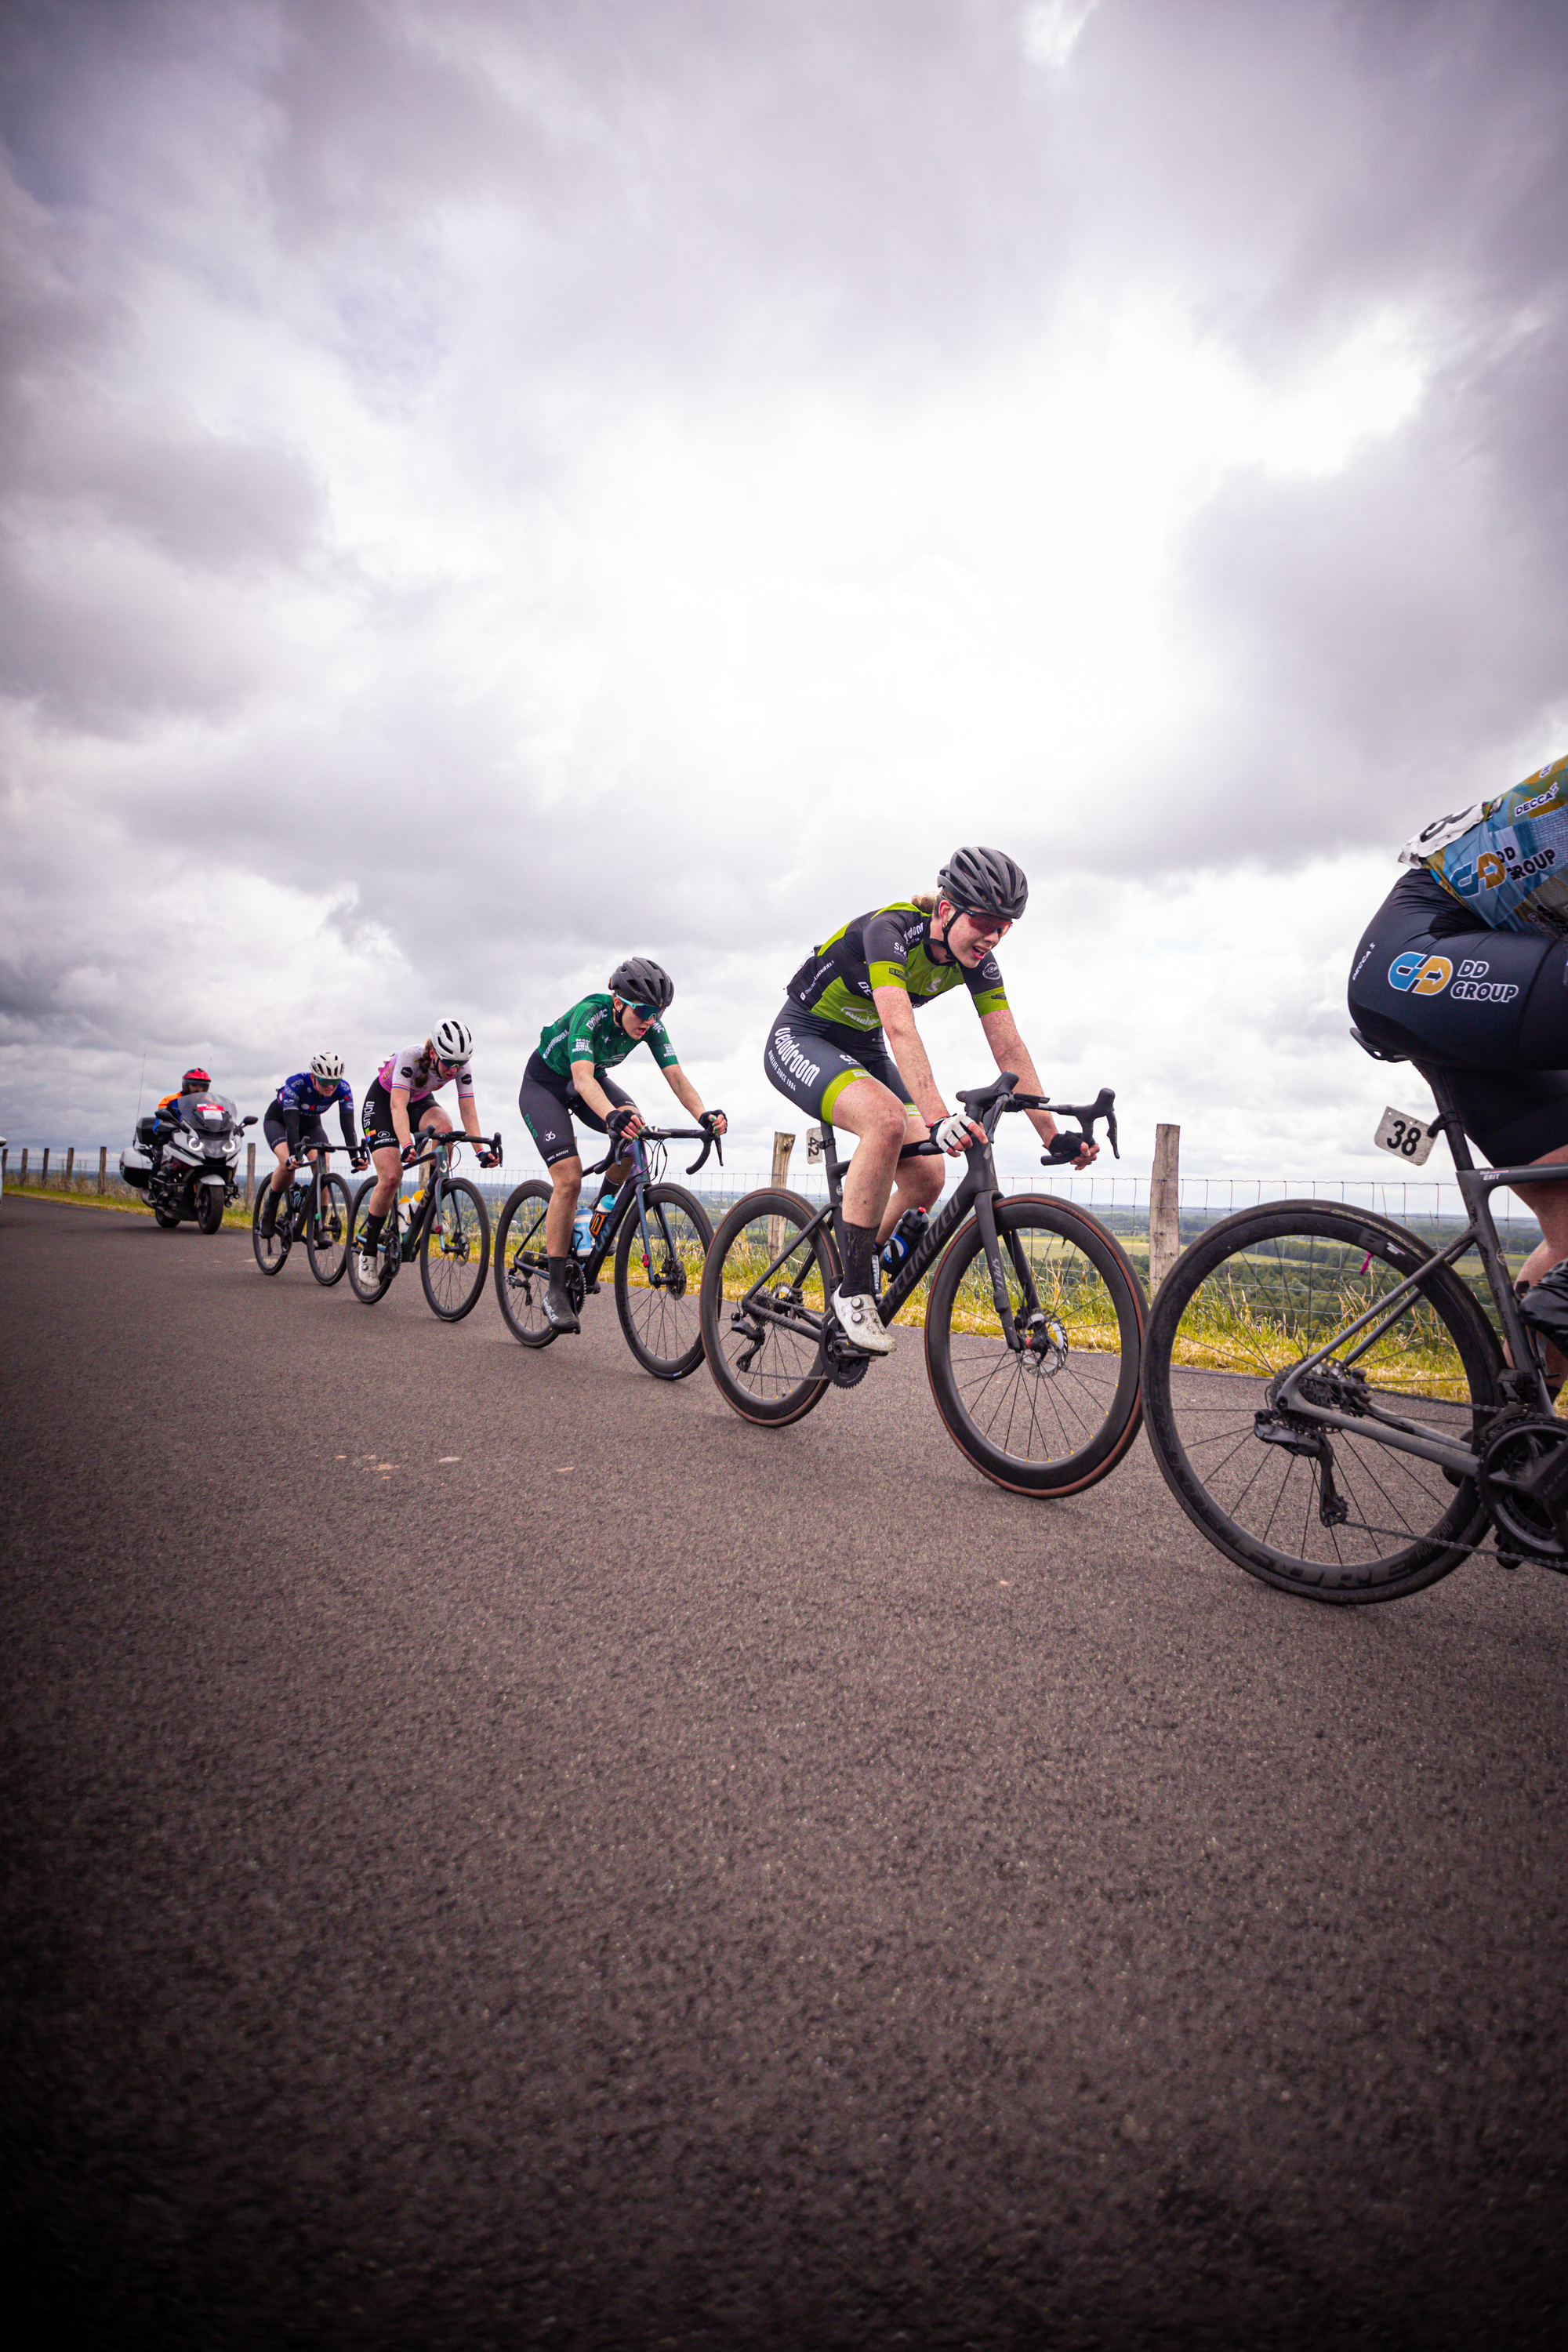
410	1069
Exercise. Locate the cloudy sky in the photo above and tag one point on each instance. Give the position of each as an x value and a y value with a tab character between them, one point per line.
490	484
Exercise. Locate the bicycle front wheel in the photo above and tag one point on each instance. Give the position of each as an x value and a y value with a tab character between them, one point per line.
368	1292
658	1299
272	1248
454	1255
1057	1413
327	1233
764	1345
522	1267
1336	1515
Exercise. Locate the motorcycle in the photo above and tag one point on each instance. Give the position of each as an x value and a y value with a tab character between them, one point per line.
190	1170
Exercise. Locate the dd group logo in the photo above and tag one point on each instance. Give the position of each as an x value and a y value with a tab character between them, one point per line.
1416	974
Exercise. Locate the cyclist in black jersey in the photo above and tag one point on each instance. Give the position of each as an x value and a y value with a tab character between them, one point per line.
844	1050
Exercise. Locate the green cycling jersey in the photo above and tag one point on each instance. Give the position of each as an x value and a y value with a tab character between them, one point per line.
590	1033
889	948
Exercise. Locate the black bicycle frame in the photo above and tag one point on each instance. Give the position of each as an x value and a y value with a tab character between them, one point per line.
1525	1381
633	1184
441	1142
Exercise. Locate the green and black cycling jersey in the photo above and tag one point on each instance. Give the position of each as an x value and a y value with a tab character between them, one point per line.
590	1033
889	948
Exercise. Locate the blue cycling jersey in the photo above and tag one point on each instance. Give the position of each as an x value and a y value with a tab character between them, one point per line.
1506	860
305	1093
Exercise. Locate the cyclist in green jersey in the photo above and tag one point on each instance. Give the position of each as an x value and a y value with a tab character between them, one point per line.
568	1077
844	1050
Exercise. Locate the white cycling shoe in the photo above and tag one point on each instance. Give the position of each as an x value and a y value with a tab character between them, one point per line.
861	1324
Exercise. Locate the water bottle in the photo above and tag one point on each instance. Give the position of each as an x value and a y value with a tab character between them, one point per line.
582	1229
605	1203
904	1238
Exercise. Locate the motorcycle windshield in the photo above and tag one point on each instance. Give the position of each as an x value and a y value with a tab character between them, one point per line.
209	1113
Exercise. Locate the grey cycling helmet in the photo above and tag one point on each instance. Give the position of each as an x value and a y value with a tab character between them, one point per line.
640	981
985	882
452	1042
328	1067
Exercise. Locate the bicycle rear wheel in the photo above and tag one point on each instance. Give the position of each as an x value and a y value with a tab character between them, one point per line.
522	1267
326	1232
1058	1414
454	1253
1240	1307
272	1249
658	1303
387	1252
768	1363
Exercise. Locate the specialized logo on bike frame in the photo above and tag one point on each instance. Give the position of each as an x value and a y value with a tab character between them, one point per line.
1416	974
786	1051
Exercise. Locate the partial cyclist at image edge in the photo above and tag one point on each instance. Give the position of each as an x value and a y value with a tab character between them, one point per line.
292	1124
1466	964
567	1079
401	1102
846	1051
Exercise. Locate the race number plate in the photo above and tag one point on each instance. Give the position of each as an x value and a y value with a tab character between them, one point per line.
1408	1137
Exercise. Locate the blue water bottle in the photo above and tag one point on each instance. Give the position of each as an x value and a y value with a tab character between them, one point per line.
904	1238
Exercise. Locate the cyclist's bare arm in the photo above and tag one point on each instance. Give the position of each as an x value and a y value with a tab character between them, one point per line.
686	1096
594	1093
398	1099
897	1017
1012	1053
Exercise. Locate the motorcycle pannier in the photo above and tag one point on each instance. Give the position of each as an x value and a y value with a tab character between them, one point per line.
135	1166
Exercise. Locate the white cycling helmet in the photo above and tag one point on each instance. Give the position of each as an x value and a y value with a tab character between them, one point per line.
452	1042
328	1067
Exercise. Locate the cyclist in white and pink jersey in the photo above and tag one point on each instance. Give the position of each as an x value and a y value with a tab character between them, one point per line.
401	1099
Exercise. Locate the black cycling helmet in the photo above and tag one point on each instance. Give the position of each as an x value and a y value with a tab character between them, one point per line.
985	882
640	981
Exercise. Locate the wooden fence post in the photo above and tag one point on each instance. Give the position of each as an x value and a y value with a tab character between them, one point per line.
70	1169
249	1174
44	1171
103	1167
23	1177
1164	1207
783	1144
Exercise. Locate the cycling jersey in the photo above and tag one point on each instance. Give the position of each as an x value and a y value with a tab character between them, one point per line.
590	1033
301	1102
412	1071
1506	860
889	948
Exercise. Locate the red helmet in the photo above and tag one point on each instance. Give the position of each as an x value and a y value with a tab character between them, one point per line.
192	1082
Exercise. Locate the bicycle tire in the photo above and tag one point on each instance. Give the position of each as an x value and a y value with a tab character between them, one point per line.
327	1232
1244	1301
521	1265
1058	1415
661	1313
454	1248
786	1376
370	1293
271	1250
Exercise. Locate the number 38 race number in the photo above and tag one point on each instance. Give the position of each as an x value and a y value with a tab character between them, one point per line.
1407	1138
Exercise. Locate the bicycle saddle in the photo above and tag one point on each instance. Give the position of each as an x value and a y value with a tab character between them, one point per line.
1378	1052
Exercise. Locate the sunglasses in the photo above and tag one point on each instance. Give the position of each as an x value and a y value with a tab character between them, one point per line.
644	1012
992	925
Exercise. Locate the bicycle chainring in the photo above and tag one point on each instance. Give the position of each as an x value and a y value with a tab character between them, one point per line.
846	1367
1523	1523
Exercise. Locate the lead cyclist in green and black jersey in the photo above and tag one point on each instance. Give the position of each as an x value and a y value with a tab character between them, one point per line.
568	1077
1466	963
845	1049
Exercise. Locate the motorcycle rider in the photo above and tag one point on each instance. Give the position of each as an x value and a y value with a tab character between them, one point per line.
166	1117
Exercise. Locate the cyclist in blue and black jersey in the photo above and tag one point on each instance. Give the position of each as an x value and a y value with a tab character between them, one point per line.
846	1051
568	1077
1466	963
293	1122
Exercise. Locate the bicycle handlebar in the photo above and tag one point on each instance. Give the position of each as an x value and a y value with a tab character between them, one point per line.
429	1140
703	1135
986	1104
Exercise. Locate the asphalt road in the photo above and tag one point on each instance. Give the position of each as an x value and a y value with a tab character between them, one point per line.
501	1854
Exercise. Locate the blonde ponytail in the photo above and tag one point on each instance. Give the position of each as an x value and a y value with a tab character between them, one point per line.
925	900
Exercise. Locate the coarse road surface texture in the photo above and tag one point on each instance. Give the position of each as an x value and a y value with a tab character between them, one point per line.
503	1853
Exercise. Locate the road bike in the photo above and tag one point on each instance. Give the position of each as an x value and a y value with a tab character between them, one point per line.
315	1208
1331	1401
446	1226
659	1234
1034	1325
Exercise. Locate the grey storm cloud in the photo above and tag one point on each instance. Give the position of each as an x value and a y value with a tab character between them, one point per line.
272	272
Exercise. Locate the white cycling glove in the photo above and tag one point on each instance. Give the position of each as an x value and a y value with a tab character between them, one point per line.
952	1134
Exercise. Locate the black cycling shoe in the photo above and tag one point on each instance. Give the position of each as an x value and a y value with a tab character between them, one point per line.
270	1215
1544	1306
558	1308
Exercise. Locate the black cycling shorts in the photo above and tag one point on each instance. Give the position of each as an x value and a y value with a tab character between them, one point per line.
811	1061
375	1118
275	1128
1429	980
549	1103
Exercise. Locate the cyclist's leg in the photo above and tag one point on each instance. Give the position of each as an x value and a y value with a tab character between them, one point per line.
277	1136
826	1073
543	1100
917	1183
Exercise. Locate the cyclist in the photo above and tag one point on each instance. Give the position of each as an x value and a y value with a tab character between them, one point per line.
1466	963
568	1077
400	1101
846	1051
293	1121
165	1118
